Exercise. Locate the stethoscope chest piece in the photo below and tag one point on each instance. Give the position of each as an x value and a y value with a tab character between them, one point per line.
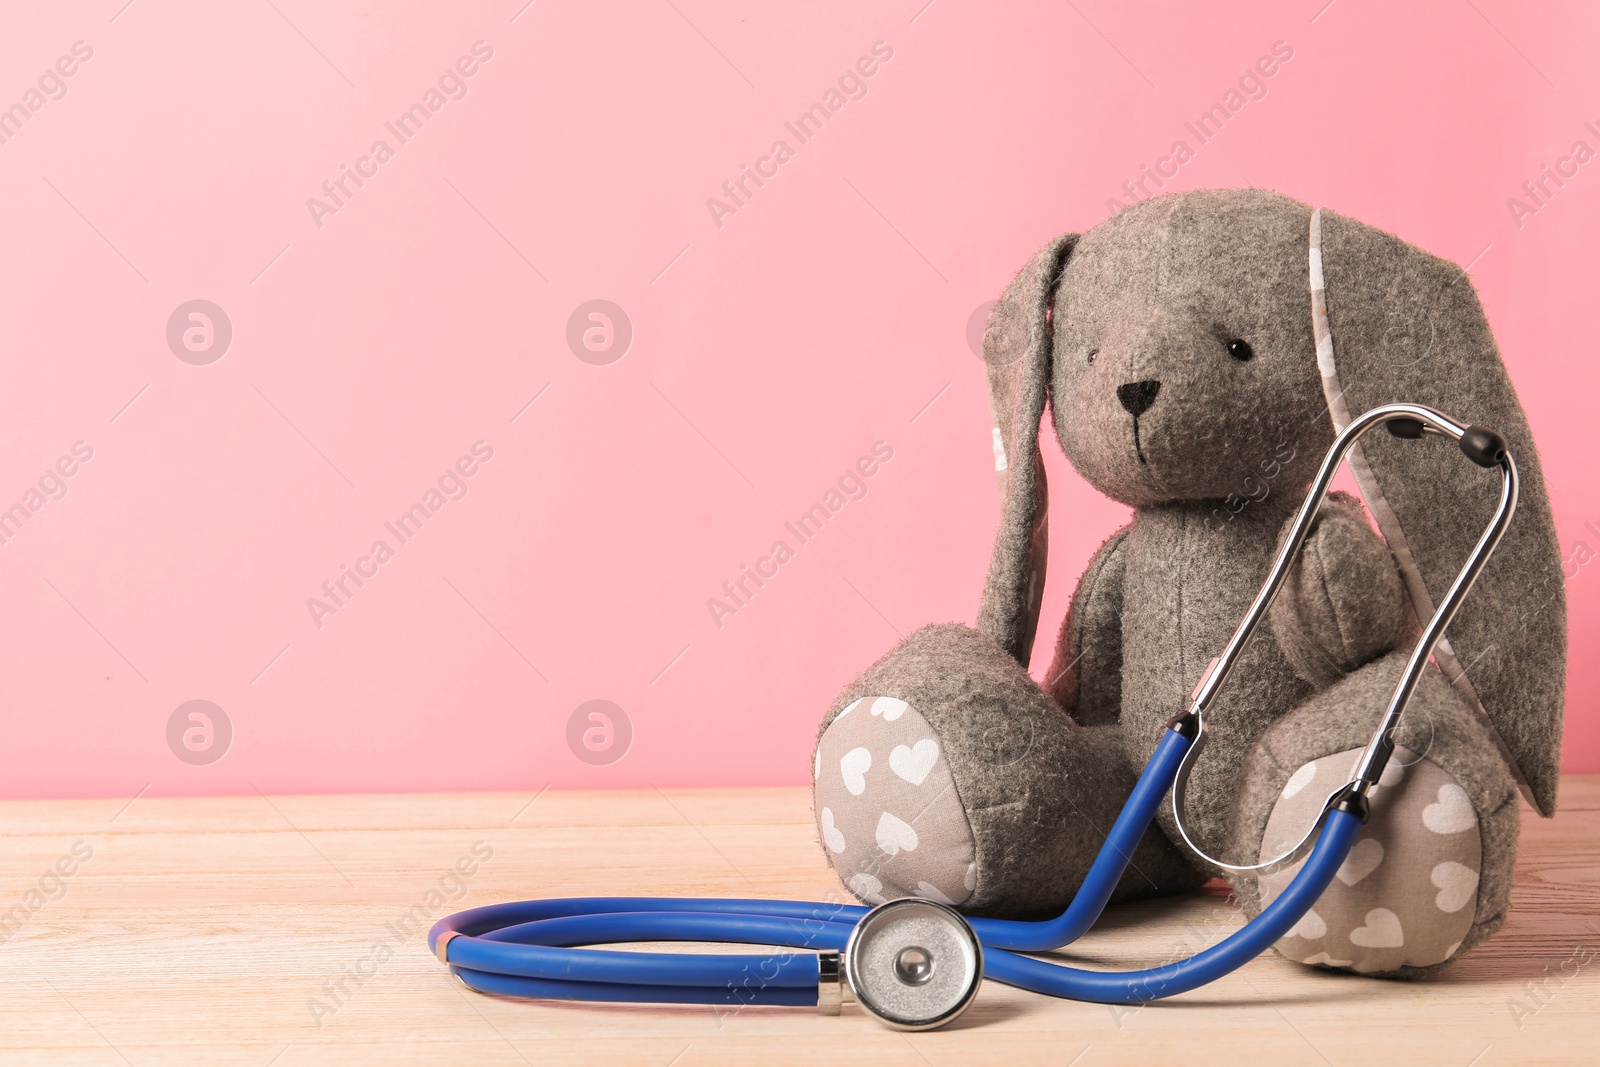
913	963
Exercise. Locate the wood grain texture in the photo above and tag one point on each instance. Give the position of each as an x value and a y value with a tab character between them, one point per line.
208	930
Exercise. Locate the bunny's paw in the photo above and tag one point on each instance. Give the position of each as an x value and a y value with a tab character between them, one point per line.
1343	604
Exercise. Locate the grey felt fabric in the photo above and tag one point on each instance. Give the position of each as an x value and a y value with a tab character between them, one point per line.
1135	333
1087	673
1344	605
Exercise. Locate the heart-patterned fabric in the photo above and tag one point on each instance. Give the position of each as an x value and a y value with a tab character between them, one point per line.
1408	891
887	809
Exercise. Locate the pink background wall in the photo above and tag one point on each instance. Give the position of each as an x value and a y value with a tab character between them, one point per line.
374	345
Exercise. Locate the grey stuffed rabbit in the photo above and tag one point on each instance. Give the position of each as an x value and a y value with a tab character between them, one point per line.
1199	351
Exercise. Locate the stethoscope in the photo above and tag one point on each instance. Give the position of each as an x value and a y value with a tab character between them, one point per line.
916	964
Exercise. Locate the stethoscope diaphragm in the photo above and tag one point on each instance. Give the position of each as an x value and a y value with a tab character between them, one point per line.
915	964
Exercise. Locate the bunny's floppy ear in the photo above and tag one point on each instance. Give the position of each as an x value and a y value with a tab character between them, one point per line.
1396	324
1016	352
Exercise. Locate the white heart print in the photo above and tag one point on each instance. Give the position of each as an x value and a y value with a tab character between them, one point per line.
1299	780
1382	930
853	769
867	888
1452	814
932	892
890	708
913	762
1458	885
1363	859
1309	927
832	836
1326	960
895	835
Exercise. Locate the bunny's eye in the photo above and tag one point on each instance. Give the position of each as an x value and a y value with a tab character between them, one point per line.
1092	353
1241	350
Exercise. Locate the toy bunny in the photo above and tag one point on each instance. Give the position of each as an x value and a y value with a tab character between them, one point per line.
1200	351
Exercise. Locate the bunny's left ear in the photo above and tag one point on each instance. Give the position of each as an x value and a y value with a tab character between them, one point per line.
1395	324
1016	353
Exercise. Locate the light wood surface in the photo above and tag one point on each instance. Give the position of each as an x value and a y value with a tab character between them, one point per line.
206	931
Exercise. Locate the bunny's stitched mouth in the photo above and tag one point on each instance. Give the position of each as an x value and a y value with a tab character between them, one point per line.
1136	398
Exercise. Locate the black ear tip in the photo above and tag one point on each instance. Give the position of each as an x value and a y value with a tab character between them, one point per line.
1479	443
1483	446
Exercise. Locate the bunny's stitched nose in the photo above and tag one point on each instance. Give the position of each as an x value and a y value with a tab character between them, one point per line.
1137	397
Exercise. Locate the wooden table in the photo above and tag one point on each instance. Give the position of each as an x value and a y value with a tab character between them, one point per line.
289	931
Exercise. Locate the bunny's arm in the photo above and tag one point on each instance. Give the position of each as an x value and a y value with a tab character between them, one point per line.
1086	677
1343	603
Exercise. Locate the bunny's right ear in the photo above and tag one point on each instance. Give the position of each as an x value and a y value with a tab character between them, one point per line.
1394	323
1016	352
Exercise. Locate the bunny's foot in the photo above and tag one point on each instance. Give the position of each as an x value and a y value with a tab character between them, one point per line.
887	807
945	772
1430	874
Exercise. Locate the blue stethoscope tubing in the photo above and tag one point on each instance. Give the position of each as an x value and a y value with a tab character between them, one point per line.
527	949
532	948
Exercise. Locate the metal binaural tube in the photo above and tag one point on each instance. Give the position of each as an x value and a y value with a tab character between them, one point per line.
1292	544
1415	420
